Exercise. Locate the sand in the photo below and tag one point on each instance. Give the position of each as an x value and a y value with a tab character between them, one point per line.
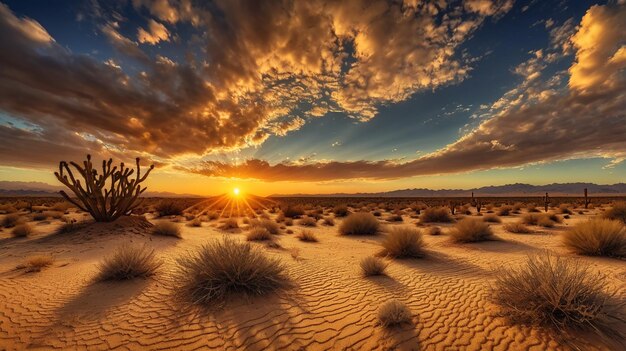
330	307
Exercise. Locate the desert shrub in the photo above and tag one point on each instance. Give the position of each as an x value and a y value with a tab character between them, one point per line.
329	221
223	267
39	216
433	230
258	234
564	209
393	313
196	222
533	218
308	222
532	208
269	225
435	214
377	213
22	230
68	226
517	206
166	229
360	223
230	223
293	211
128	262
288	222
471	230
616	212
545	221
559	293
403	242
505	210
554	217
307	236
597	237
11	220
517	228
169	208
341	210
394	218
289	231
61	206
212	215
373	266
492	218
37	263
53	214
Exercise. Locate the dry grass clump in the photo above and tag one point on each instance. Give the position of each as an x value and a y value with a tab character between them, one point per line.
341	211
271	226
212	215
39	217
10	220
372	266
616	212
37	263
196	222
128	262
492	218
505	210
558	293
329	221
540	219
166	229
436	214
307	236
169	208
433	230
564	209
360	223
395	218
597	237
471	230
393	313
517	228
224	267
22	230
403	242
258	234
308	222
293	211
545	221
230	223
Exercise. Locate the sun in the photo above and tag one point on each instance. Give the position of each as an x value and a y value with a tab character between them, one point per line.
236	191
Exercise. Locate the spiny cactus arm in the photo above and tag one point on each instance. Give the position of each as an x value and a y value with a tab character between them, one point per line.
74	185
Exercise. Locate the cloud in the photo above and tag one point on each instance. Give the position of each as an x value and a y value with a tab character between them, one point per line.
535	122
156	33
251	69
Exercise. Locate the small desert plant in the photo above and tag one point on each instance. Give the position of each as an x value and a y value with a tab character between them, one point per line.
329	221
39	216
433	230
341	211
10	220
616	212
545	221
288	222
559	293
53	214
212	215
360	223
394	218
517	228
224	267
564	209
373	266
37	263
491	218
435	214
196	222
230	223
597	237
307	236
166	229
258	234
169	208
128	262
533	218
393	313
505	210
271	226
293	211
403	242
471	230
22	230
308	222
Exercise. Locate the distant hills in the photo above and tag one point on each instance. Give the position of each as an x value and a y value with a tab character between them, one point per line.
19	189
518	189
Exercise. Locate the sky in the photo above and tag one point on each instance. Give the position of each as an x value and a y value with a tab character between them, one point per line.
316	96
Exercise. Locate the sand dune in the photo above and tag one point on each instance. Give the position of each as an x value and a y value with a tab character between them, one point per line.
330	306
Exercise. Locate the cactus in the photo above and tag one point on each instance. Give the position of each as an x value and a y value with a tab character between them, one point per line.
587	201
478	206
546	202
452	205
104	205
